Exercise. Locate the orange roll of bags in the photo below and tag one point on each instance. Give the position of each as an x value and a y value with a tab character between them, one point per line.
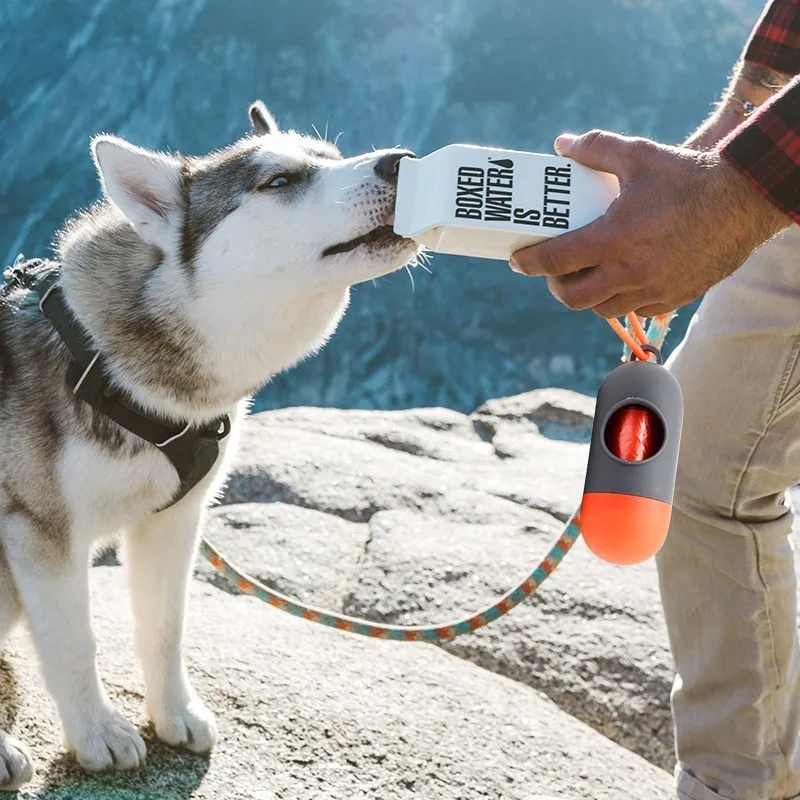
634	433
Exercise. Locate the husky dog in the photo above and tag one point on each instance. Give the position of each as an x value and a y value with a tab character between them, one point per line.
197	279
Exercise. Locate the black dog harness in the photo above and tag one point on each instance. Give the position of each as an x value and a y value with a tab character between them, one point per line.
191	450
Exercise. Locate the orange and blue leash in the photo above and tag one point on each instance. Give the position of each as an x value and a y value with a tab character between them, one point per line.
633	337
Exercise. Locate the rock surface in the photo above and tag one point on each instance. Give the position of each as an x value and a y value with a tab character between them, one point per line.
452	511
406	517
307	713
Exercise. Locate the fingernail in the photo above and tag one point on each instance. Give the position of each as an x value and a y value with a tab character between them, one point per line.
564	142
514	264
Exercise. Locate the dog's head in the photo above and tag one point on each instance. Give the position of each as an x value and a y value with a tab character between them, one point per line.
202	277
273	208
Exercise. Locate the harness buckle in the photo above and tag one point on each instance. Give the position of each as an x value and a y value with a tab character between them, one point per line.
223	427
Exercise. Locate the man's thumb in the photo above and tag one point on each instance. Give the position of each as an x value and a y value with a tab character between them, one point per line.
564	143
599	150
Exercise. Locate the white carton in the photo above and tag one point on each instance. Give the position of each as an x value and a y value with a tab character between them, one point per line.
488	203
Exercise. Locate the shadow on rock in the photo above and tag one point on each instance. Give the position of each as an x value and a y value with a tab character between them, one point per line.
9	696
167	773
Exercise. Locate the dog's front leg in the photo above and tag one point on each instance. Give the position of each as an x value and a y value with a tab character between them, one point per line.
51	572
159	554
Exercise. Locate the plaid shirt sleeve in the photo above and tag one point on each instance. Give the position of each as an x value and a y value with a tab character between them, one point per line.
775	41
765	148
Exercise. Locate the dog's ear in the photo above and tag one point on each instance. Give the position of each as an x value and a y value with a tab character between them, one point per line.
145	186
262	121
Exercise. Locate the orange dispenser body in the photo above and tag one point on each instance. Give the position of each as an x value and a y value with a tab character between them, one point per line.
630	478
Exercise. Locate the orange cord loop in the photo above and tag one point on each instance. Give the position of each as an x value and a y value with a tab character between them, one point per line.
636	326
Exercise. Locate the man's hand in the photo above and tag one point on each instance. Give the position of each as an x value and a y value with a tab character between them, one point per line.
683	221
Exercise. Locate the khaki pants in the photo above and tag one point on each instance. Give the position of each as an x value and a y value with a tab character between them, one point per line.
726	572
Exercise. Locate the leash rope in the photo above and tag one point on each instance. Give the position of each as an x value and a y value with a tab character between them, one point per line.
633	337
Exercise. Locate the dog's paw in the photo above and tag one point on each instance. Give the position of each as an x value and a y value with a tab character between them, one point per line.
16	766
108	741
191	726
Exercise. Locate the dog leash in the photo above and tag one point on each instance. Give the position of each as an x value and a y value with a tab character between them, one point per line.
637	342
41	278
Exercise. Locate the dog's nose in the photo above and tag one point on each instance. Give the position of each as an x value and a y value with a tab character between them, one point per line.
387	166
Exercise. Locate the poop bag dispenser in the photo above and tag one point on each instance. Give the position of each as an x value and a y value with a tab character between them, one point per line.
630	478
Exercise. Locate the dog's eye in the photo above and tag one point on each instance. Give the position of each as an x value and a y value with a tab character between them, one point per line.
277	182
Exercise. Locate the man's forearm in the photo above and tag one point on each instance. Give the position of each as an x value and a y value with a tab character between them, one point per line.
749	84
760	82
771	58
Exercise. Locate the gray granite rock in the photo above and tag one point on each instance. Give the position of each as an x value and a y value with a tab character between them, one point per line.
444	465
304	553
307	713
592	638
454	510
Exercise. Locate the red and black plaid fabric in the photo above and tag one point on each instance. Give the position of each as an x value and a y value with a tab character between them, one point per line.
766	147
775	41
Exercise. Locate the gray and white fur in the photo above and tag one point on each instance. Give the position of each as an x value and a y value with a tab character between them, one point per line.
197	279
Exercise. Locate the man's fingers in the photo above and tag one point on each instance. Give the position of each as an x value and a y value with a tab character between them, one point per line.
623	303
654	309
604	151
585	289
563	254
590	244
600	289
